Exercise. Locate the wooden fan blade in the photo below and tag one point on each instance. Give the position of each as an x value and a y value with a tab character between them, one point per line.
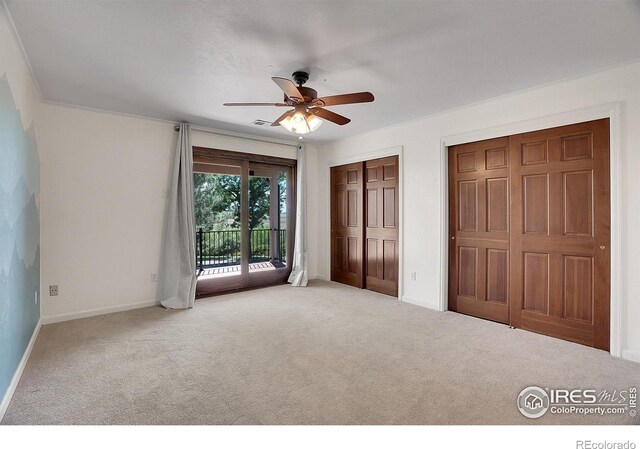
331	116
282	117
356	97
289	89
256	104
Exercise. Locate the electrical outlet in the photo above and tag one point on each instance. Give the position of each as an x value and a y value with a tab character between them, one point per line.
53	290
414	275
154	277
35	297
165	194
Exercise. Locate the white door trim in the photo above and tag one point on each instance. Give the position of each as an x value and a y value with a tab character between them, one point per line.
607	110
366	156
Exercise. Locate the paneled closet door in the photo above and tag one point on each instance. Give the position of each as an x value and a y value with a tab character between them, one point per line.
346	224
479	229
381	225
530	231
561	232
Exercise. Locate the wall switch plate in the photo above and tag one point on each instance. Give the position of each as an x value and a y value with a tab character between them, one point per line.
35	297
53	290
414	275
154	277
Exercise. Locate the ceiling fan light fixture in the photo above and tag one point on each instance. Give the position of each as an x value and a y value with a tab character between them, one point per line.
298	118
301	122
313	122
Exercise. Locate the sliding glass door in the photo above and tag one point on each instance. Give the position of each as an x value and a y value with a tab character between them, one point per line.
267	228
244	220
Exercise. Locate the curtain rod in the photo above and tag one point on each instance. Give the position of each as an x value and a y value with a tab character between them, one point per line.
176	127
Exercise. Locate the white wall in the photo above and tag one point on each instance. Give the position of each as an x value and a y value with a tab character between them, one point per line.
103	179
423	178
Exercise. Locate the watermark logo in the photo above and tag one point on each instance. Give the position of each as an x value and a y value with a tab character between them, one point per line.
533	402
588	444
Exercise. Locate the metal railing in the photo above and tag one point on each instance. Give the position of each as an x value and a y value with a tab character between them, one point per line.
223	248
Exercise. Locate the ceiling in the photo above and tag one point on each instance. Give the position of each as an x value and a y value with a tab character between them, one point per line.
180	60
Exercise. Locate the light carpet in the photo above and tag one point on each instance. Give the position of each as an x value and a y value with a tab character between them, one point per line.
327	354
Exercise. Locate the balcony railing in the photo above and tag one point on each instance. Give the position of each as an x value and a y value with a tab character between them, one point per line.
223	248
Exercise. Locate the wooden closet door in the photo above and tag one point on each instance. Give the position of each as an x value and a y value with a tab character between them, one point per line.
381	225
346	224
560	232
479	229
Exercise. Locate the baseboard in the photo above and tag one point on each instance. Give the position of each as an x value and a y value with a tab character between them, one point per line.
631	355
95	312
421	303
4	405
322	277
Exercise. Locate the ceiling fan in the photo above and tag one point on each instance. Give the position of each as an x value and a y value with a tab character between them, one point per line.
308	109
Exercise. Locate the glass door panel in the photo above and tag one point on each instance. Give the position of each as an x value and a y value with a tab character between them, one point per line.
268	223
217	212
